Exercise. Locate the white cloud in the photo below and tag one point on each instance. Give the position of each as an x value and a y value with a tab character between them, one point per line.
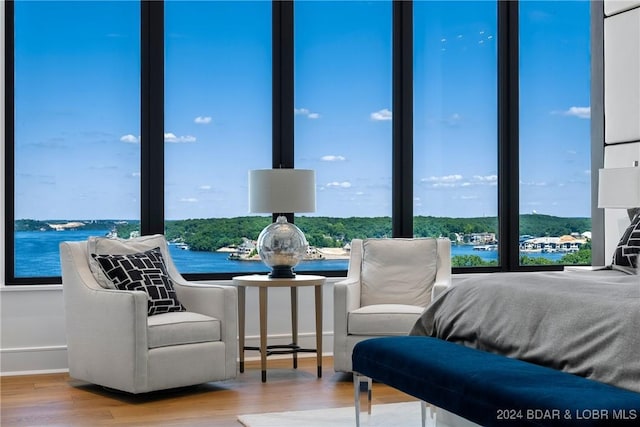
332	158
336	184
130	139
445	178
457	180
306	112
453	120
443	181
534	183
202	120
189	200
384	114
170	137
205	187
579	112
486	178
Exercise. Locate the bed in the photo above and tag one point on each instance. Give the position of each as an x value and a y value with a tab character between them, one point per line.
500	341
582	322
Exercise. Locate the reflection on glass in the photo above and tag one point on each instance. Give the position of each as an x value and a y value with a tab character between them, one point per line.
343	123
555	140
455	127
77	126
217	128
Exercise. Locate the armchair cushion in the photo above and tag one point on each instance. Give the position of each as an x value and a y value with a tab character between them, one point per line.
185	327
383	319
144	271
398	271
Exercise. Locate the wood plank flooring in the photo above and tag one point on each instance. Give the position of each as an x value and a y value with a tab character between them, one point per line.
57	400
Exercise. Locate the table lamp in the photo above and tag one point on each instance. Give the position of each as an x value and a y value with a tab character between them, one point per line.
282	245
619	188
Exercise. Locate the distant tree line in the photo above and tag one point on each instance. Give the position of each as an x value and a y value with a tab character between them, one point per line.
213	233
37	225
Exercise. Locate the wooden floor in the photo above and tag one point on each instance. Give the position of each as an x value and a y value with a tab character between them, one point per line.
57	400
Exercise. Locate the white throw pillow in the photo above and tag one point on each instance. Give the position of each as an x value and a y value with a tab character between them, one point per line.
107	246
398	271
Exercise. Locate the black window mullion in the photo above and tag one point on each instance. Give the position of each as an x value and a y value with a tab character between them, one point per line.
402	125
282	95
152	117
9	117
282	88
508	143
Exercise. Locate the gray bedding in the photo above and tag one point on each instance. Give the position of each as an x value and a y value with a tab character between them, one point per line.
583	322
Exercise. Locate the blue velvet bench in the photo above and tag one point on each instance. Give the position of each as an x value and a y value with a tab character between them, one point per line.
489	389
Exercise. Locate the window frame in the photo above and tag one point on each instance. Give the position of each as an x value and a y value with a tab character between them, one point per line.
152	128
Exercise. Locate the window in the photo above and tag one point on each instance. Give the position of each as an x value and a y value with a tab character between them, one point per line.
342	54
76	100
217	128
555	145
320	97
455	128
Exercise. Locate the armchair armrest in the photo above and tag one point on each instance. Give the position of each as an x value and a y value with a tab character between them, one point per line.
443	272
439	287
216	301
346	298
348	291
104	327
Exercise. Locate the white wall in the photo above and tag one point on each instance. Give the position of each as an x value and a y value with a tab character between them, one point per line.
33	331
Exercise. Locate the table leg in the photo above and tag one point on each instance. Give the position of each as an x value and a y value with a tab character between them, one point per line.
241	324
294	323
319	328
263	333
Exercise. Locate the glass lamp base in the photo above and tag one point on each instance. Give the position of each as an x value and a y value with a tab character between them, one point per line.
281	247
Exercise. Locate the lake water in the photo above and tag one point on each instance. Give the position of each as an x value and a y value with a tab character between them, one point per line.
37	255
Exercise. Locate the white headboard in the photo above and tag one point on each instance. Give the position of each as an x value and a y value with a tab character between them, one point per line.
621	101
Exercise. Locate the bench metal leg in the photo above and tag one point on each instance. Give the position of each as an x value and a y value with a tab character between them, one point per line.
357	381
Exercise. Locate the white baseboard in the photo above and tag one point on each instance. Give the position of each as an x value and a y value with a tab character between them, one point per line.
33	360
53	359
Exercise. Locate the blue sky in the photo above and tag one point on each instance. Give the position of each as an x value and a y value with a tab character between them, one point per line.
77	107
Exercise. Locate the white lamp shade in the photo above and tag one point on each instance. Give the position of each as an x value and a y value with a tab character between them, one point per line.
619	188
282	190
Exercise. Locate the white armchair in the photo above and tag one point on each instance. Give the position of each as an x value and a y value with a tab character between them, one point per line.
113	342
389	284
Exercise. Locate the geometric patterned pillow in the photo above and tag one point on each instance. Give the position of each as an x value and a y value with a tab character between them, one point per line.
143	271
625	257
